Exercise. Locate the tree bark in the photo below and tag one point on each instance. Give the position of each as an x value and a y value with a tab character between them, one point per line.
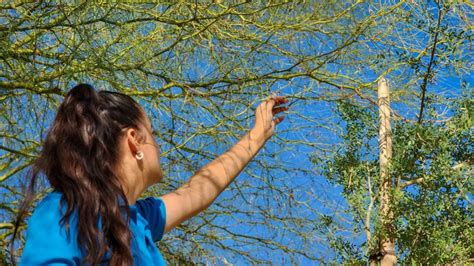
387	239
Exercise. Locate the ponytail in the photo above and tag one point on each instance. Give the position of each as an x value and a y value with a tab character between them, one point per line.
79	157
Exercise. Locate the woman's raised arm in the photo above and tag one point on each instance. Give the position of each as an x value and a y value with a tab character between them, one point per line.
198	193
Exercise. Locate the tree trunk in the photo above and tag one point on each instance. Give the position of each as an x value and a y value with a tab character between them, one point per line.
387	239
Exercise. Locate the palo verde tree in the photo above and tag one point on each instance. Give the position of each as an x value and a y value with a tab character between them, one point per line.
199	69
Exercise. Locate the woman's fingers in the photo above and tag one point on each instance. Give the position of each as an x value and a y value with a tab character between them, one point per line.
265	121
279	109
279	119
274	101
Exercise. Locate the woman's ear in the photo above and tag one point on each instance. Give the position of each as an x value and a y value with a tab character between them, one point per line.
133	140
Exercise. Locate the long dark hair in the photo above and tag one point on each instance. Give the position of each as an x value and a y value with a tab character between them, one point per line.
79	158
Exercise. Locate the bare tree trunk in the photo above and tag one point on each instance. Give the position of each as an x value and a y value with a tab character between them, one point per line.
387	239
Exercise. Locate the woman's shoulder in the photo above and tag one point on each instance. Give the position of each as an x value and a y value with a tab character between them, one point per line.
153	210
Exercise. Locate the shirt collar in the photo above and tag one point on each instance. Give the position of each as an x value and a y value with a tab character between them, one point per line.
133	208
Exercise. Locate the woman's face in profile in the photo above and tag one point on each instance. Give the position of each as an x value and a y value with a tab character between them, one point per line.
151	153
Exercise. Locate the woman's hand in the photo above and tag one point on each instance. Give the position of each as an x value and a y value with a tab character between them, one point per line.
264	122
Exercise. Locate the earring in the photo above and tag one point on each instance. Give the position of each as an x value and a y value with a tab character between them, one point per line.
139	155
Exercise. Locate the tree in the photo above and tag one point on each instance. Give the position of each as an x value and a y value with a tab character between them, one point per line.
430	169
199	68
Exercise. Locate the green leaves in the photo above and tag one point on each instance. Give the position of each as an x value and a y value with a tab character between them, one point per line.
430	198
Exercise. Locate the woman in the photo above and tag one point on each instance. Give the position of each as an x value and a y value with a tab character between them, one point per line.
99	156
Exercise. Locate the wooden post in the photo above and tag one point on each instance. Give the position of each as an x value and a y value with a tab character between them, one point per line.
387	241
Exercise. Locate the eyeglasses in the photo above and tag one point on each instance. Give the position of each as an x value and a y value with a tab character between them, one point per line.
158	146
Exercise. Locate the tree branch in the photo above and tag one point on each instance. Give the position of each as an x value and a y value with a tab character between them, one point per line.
430	64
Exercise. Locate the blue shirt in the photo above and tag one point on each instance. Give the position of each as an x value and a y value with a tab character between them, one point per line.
46	242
